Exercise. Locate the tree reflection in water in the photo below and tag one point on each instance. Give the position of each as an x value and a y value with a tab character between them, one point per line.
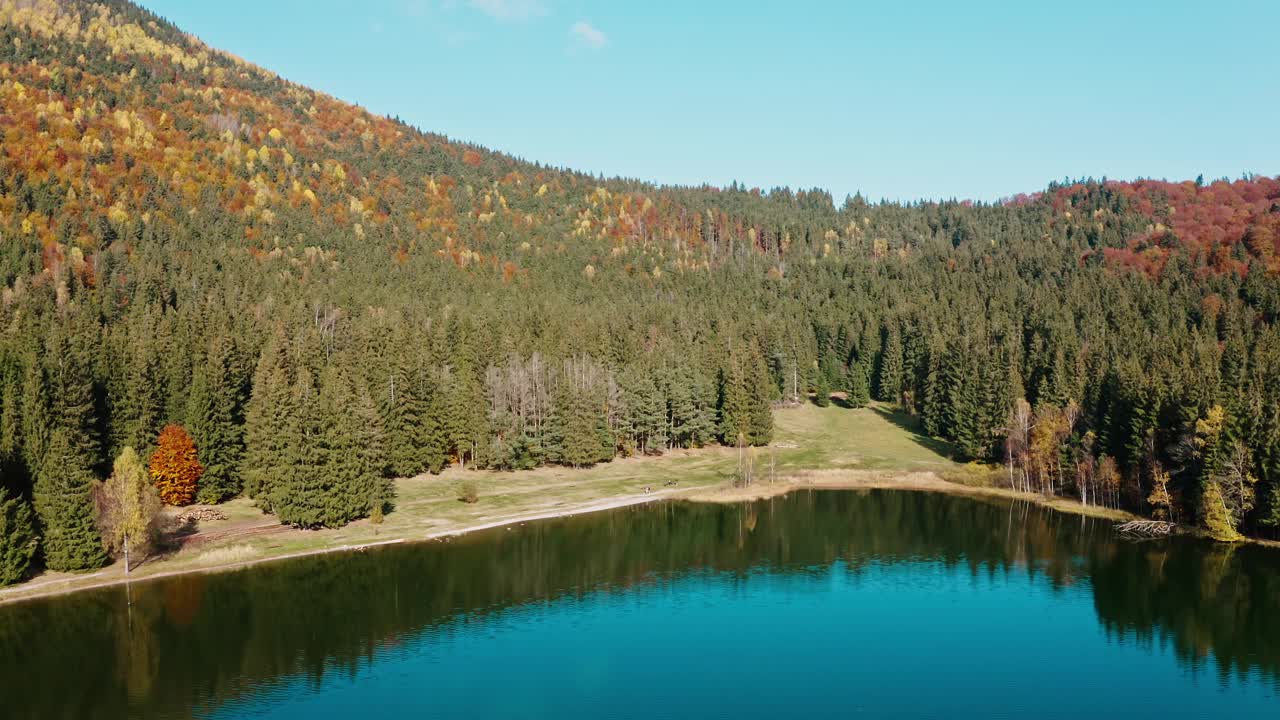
190	643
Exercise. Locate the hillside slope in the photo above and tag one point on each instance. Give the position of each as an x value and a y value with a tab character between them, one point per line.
324	299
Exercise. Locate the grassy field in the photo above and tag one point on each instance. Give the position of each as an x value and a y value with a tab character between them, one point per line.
807	439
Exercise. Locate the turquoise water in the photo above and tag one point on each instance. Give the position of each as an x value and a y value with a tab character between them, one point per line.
822	604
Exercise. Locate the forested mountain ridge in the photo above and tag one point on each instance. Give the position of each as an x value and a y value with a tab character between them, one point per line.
325	299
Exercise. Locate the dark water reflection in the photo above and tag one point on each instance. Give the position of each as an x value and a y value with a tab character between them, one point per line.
258	642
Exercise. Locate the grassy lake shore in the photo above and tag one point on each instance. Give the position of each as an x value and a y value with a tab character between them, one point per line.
814	448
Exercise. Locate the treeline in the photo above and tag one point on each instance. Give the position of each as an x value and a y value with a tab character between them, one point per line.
322	300
313	416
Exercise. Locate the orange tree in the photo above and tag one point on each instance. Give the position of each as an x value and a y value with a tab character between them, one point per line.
175	468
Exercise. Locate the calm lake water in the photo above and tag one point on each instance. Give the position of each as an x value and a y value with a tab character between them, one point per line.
819	604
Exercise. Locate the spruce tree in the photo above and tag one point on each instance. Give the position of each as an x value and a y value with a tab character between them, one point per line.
212	410
142	407
733	404
18	541
761	390
10	412
889	387
821	389
373	490
466	411
304	491
856	386
36	415
701	425
645	420
64	503
410	413
269	424
581	442
69	364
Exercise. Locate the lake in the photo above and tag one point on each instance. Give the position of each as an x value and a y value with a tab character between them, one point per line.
817	604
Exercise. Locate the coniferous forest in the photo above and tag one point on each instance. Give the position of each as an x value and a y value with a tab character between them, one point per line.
261	290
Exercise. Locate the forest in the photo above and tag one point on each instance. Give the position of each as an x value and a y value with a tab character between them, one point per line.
219	283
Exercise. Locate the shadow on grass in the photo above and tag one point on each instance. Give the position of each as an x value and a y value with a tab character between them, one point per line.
914	427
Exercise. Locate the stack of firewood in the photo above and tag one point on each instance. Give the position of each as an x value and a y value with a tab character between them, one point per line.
200	514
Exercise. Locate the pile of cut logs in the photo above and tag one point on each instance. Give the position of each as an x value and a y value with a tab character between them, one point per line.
200	514
1145	529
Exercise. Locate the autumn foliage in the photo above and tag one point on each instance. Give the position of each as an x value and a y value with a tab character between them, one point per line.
1219	226
174	467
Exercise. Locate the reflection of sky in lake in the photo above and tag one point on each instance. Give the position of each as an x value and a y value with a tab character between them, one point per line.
905	639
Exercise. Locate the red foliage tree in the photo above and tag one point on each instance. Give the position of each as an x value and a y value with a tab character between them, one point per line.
174	467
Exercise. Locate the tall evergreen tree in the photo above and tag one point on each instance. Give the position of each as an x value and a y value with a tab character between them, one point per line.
18	541
64	502
214	405
411	413
760	389
36	415
733	404
889	387
270	424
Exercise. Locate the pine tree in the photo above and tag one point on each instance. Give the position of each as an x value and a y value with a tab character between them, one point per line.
302	491
700	426
141	410
962	406
821	389
690	407
889	387
578	425
856	392
760	390
733	404
934	407
10	413
374	491
213	406
64	503
36	415
466	412
18	541
645	420
68	355
415	436
269	424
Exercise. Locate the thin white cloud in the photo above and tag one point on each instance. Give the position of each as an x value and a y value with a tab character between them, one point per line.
509	9
588	34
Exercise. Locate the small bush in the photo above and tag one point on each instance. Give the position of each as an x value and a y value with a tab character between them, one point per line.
469	491
978	475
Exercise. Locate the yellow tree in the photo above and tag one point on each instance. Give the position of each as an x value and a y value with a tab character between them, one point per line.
1161	500
128	506
175	468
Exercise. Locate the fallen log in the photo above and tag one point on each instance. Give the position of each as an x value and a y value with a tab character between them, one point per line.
1146	528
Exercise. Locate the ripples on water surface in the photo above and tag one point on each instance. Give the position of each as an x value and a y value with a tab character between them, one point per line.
820	604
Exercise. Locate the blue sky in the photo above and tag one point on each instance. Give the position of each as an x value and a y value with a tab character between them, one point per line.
899	100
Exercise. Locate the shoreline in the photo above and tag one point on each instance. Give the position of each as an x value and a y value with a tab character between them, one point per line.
925	481
68	585
922	481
